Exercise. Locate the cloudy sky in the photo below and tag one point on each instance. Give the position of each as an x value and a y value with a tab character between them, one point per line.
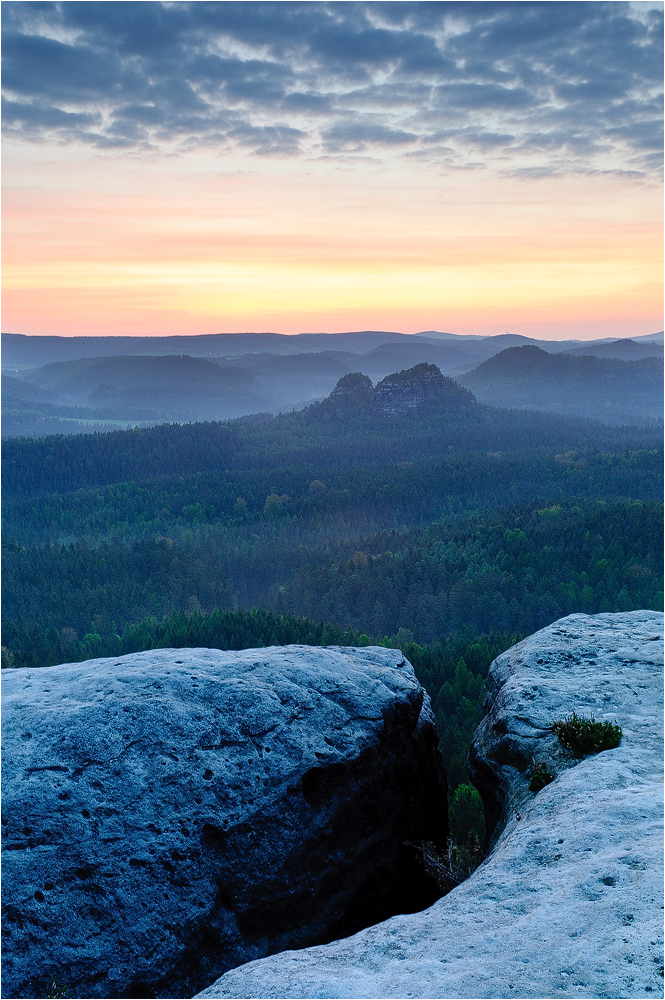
208	167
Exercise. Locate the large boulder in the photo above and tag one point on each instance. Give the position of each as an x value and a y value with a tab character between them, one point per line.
171	814
569	902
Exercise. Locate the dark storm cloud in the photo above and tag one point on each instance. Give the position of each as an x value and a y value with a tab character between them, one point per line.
575	82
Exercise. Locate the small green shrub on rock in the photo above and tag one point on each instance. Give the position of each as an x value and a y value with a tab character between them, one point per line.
541	776
584	736
466	815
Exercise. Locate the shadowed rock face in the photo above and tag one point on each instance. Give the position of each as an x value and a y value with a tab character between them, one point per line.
170	814
419	389
569	902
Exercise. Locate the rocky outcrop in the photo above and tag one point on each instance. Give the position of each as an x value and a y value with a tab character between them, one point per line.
174	813
354	388
569	902
420	389
599	665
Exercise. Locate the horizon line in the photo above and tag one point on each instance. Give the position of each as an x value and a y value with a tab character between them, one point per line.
316	333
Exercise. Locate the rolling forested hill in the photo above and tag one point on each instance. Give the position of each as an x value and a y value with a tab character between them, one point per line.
175	386
625	350
606	388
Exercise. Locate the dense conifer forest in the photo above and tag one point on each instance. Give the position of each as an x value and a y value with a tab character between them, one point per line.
448	534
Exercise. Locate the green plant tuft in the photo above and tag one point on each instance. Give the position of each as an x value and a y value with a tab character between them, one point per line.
584	736
541	776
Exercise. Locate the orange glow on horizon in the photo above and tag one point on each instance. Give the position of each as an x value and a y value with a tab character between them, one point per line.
149	248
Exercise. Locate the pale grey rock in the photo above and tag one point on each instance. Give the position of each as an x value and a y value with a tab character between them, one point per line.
170	814
569	903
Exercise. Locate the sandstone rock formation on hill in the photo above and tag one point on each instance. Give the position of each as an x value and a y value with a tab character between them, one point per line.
569	902
171	814
420	389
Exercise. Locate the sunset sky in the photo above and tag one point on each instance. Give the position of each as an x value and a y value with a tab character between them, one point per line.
186	168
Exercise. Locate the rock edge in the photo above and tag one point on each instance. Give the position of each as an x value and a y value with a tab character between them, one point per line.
569	903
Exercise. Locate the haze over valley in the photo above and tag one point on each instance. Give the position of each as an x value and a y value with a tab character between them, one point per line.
609	380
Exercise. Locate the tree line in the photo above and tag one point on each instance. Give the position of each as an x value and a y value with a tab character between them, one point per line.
510	571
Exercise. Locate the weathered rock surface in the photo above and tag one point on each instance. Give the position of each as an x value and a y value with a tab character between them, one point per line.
569	903
420	389
171	814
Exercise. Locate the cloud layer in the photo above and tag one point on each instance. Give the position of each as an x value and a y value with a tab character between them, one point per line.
535	87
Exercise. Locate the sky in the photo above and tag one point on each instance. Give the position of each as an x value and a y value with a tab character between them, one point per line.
189	168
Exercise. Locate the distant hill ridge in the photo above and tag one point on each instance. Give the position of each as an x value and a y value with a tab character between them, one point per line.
20	349
605	388
175	384
180	387
74	396
624	350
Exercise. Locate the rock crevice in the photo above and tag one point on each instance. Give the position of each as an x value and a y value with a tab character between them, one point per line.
569	901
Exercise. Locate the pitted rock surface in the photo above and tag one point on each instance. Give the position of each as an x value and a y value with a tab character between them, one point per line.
171	814
569	902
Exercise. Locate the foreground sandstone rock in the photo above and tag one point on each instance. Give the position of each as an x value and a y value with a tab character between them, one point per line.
569	903
171	814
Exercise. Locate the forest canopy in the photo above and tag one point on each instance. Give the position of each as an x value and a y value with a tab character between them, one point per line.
450	534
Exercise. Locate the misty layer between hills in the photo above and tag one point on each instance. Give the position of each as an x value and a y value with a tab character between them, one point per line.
47	390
